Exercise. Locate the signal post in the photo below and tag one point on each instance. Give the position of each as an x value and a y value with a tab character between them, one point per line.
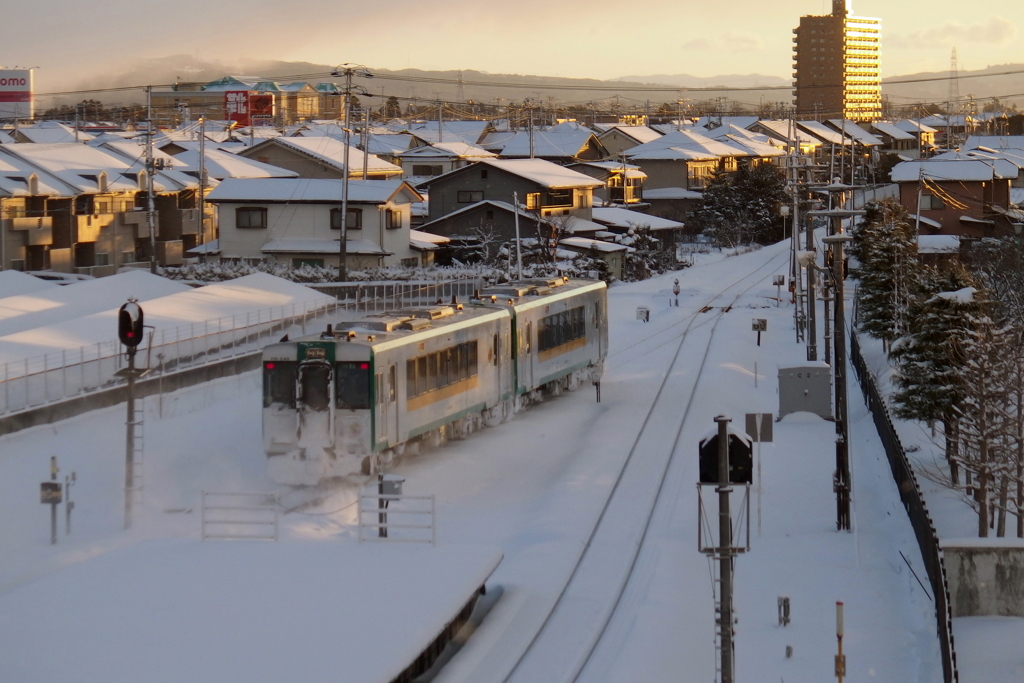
130	332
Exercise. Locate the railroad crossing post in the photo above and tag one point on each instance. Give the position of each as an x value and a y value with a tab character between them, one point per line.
69	504
725	546
129	457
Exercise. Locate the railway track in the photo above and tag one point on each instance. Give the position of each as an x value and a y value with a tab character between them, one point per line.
572	629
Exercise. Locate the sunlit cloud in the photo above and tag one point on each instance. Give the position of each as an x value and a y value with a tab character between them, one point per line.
995	31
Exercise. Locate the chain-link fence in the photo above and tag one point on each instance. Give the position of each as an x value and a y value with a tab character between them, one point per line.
913	501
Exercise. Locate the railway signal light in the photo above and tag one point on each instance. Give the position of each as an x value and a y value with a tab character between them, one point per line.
129	324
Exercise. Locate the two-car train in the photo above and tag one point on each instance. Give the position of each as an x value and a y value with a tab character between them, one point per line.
351	398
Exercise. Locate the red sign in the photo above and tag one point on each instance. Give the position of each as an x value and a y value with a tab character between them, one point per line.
236	107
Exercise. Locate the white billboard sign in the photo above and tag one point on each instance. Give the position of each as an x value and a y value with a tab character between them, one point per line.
16	96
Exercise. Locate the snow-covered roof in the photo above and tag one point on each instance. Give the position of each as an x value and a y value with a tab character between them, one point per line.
542	172
446	150
307	190
426	241
469	132
938	244
709	123
686	144
953	169
80	165
780	129
47	132
912	126
625	219
595	245
14	283
552	142
56	305
15	173
220	165
211	247
4	137
925	221
824	133
641	134
996	142
330	151
852	130
892	130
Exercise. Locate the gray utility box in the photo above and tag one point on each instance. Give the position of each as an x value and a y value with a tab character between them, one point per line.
806	388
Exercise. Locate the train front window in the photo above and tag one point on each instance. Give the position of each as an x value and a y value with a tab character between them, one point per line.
352	385
314	386
279	383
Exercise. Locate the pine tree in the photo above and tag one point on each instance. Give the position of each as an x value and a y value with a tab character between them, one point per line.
985	426
742	207
929	384
888	270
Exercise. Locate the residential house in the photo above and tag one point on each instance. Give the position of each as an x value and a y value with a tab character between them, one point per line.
924	134
958	196
622	183
620	221
96	211
321	156
298	221
542	186
895	140
49	132
618	138
685	159
440	157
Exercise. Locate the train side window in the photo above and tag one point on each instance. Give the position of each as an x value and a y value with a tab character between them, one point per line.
410	378
421	375
494	349
529	336
432	375
472	348
392	382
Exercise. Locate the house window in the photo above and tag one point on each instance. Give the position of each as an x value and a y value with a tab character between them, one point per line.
490	215
410	262
393	219
483	174
103	204
426	169
354	222
470	196
250	217
559	198
312	262
931	203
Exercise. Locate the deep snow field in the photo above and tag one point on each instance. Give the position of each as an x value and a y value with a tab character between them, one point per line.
531	489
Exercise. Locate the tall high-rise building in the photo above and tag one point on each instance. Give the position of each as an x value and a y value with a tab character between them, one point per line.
836	65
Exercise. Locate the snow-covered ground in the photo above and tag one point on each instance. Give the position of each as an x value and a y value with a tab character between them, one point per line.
534	488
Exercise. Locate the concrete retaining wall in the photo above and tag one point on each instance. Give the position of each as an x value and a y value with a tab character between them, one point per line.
149	386
986	577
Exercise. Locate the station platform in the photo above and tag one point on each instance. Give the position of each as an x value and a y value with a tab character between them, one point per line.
177	610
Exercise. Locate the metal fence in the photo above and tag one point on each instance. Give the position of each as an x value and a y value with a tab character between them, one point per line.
239	516
60	375
408	519
913	501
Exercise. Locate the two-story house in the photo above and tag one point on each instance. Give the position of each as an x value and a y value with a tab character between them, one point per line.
297	221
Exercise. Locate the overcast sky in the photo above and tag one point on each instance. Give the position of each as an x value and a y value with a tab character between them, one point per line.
595	39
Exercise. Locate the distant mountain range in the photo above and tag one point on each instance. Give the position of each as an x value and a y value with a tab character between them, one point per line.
486	87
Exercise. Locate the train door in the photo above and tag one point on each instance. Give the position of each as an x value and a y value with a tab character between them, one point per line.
316	410
385	386
526	356
597	329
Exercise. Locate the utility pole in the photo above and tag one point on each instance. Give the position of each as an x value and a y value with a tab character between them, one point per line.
841	480
150	169
348	70
202	179
725	556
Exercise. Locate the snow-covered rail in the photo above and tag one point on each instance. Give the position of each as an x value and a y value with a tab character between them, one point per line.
573	628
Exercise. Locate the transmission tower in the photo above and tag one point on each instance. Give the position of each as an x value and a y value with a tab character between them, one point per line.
953	98
460	91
